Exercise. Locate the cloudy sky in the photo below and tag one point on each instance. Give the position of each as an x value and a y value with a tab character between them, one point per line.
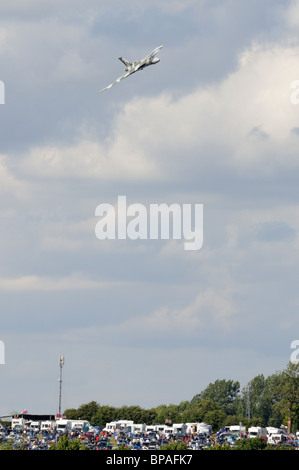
144	322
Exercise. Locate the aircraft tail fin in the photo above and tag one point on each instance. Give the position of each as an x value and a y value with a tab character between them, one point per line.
125	61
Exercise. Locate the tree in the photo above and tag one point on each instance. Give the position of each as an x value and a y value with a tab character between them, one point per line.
86	411
169	412
71	413
222	393
215	418
263	396
65	443
104	414
289	389
133	413
254	443
7	445
198	411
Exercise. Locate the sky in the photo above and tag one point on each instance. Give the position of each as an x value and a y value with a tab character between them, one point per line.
145	322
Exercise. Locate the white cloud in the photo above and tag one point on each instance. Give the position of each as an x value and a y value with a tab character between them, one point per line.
73	282
9	184
90	159
245	122
213	309
231	145
291	14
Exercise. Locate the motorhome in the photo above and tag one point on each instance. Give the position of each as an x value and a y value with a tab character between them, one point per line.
179	428
204	428
200	428
47	425
150	428
277	438
162	428
62	424
138	428
79	425
18	424
34	426
238	429
168	431
256	431
118	425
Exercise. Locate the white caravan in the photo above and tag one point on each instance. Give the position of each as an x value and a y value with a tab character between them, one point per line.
18	424
79	425
118	425
238	429
256	431
63	424
179	428
199	428
47	425
277	438
35	426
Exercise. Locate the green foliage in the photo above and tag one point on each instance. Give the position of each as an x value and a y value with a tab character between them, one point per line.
254	443
215	418
71	413
289	390
222	393
174	446
218	447
7	446
272	400
264	395
65	443
103	414
122	447
87	411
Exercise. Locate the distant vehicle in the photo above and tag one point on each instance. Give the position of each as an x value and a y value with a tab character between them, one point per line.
35	426
256	431
277	438
79	425
63	424
238	429
271	430
18	423
204	428
47	425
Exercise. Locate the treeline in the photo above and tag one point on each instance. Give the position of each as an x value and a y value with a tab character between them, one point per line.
270	401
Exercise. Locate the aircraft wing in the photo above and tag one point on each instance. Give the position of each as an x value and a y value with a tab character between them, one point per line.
153	53
125	75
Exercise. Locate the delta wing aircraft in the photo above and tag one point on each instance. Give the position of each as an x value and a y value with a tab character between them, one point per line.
132	67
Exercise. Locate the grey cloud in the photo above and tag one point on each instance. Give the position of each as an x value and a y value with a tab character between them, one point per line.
65	292
275	232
